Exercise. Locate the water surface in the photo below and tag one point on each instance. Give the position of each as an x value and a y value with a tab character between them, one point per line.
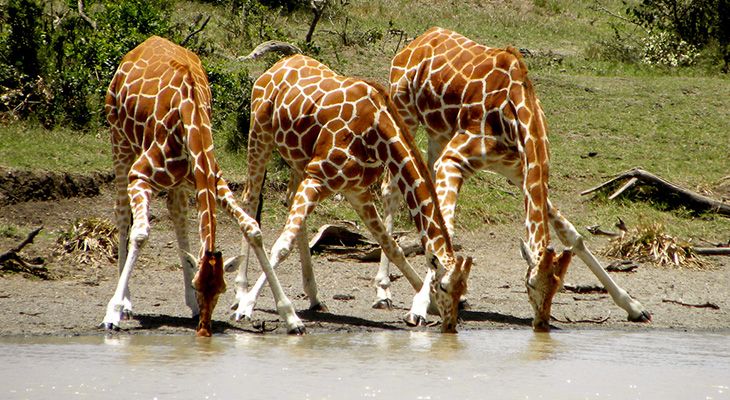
509	364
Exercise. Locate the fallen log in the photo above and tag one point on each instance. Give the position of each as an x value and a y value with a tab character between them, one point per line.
12	261
688	198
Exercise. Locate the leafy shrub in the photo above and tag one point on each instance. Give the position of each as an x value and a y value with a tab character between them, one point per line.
57	67
663	48
231	104
678	27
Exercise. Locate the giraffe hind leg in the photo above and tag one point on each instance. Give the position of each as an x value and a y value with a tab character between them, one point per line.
177	205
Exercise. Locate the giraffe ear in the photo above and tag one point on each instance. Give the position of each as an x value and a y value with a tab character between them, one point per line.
527	254
434	262
233	263
190	259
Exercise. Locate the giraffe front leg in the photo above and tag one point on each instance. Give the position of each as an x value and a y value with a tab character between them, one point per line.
120	305
570	237
239	307
284	306
363	204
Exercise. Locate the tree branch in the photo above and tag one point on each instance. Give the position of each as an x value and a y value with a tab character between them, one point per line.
195	32
83	15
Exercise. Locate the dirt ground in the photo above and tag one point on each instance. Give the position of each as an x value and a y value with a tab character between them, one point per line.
74	302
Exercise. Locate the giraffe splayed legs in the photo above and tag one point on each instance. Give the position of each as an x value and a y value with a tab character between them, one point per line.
480	111
338	134
158	106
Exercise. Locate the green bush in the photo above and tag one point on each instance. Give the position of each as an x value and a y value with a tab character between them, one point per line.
67	62
678	27
231	104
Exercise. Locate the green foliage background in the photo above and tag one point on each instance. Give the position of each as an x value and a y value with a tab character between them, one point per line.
608	109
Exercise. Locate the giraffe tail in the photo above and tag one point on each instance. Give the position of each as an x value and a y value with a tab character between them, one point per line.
260	206
284	48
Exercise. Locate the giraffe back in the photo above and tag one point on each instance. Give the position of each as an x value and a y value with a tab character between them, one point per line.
318	120
158	105
455	86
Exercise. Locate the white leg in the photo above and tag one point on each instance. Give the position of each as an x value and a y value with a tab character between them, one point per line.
120	304
241	285
570	237
362	203
421	303
308	195
283	305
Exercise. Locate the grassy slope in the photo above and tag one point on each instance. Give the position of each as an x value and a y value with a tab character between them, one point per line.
674	124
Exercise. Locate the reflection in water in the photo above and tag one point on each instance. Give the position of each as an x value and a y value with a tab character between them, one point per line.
385	365
541	346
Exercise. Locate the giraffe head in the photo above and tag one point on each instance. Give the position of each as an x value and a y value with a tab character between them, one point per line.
209	284
447	287
543	280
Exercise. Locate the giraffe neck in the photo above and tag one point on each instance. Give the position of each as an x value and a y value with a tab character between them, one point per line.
196	120
403	160
535	157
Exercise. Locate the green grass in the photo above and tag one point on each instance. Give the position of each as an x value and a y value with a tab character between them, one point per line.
673	123
28	146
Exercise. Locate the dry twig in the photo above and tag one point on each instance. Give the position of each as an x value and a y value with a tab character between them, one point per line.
681	303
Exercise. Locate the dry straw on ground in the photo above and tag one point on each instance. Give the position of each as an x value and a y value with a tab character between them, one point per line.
650	243
90	240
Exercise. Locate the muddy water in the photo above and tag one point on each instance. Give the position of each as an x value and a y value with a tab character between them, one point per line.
382	365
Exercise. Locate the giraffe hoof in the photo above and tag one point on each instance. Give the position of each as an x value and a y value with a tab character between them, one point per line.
383	304
464	305
414	320
644	316
127	314
238	317
319	307
108	326
298	331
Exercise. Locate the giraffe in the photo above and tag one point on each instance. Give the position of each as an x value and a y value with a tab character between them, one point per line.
480	111
338	134
158	107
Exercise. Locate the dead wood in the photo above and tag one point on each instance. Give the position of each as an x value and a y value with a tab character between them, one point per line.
12	261
666	189
373	255
338	235
568	320
622	266
82	13
596	230
585	289
13	253
704	305
712	251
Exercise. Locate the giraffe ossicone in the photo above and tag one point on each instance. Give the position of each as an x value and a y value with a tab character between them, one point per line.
158	106
481	112
338	134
